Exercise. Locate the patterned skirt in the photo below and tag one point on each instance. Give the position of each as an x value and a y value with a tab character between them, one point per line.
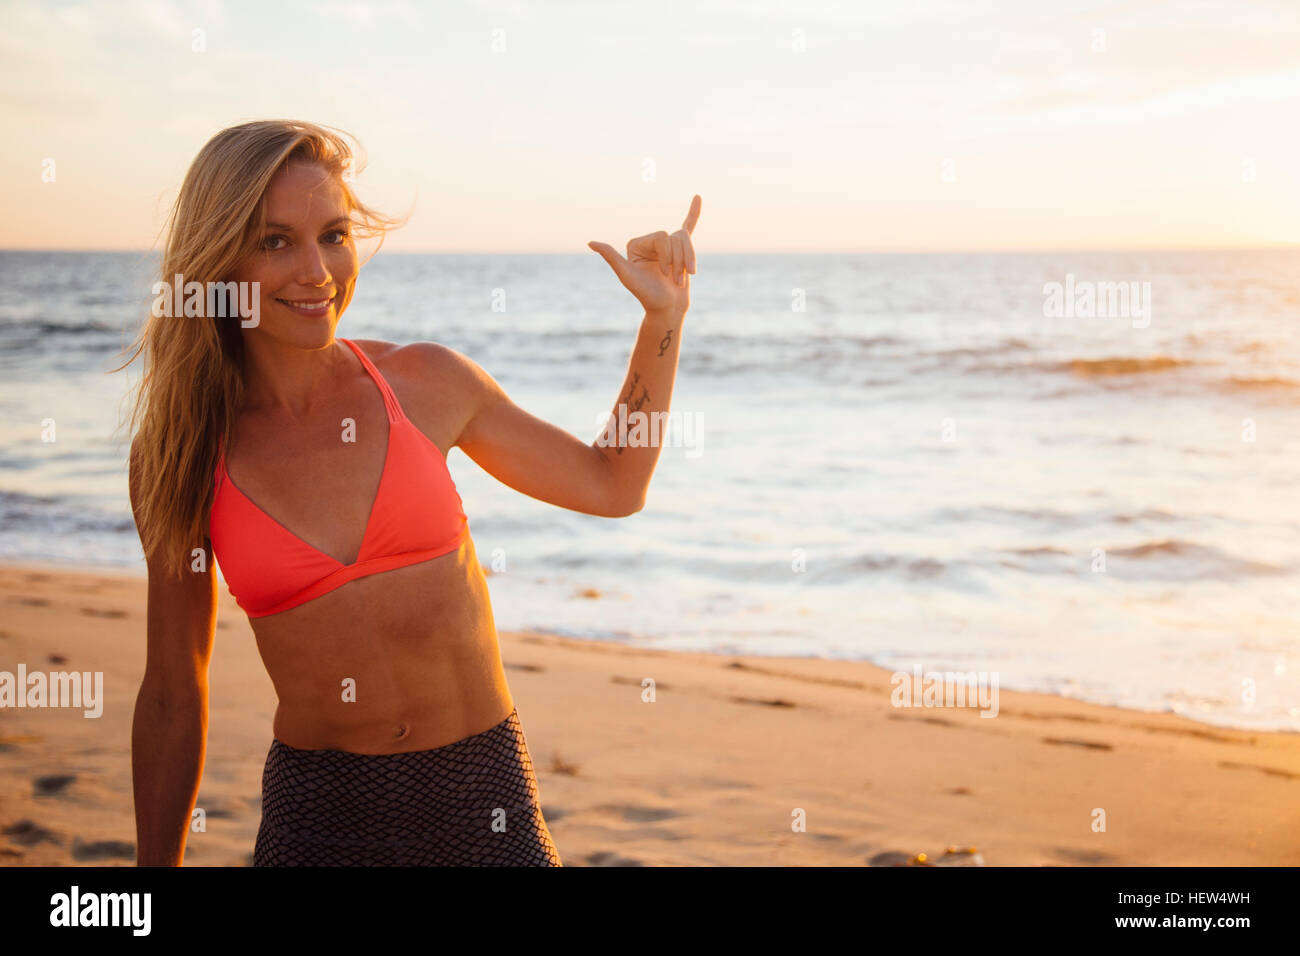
471	803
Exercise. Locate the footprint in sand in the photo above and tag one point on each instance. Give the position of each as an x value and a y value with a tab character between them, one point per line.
1090	744
635	814
102	612
560	765
941	721
768	702
639	681
103	850
1271	771
53	784
29	833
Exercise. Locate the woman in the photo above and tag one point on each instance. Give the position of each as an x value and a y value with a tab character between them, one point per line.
314	469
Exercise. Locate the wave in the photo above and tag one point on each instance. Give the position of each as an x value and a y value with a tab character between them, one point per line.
1176	558
46	327
1167	546
1020	517
1267	382
22	513
980	351
1121	370
1112	368
1123	365
1164	559
1039	560
917	568
1146	514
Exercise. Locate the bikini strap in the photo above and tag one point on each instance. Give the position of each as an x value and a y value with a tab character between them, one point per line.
394	408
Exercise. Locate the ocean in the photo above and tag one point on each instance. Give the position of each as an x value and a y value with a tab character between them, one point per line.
933	460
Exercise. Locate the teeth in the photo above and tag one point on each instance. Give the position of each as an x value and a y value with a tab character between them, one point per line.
319	303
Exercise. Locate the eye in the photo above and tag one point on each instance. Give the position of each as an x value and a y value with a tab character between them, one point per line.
267	243
342	234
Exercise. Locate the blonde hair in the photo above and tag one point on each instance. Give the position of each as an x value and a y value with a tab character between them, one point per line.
193	379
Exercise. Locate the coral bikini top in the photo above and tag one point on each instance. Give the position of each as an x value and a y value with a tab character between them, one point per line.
417	514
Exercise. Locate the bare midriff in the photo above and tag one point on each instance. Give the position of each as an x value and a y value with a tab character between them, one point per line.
403	660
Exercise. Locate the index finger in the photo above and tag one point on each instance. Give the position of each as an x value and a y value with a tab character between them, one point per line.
693	216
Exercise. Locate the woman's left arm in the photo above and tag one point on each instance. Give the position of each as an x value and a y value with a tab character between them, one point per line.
607	478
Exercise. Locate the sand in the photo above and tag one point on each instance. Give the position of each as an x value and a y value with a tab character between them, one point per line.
714	771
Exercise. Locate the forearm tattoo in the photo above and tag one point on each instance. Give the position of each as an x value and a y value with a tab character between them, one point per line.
666	341
636	377
640	402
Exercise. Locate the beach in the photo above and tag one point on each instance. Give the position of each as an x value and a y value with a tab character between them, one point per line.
738	760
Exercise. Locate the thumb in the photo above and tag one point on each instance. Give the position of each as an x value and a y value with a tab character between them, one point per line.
610	255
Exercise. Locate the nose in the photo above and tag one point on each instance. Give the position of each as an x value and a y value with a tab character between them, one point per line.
311	268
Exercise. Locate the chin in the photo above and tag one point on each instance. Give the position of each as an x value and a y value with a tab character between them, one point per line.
321	338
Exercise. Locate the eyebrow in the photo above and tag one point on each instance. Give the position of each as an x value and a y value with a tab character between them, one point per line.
283	228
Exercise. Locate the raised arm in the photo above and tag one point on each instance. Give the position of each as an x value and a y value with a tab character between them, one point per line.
552	465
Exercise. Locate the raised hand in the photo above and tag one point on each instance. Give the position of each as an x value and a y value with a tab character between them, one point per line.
658	266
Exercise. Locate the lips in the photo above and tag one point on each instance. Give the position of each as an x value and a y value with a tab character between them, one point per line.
312	306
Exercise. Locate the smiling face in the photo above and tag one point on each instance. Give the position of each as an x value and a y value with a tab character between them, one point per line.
306	260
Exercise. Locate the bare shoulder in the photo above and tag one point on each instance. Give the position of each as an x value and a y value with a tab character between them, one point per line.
440	388
423	363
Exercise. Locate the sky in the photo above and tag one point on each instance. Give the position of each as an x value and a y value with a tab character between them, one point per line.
906	126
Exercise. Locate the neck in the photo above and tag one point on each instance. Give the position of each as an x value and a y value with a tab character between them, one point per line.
289	379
